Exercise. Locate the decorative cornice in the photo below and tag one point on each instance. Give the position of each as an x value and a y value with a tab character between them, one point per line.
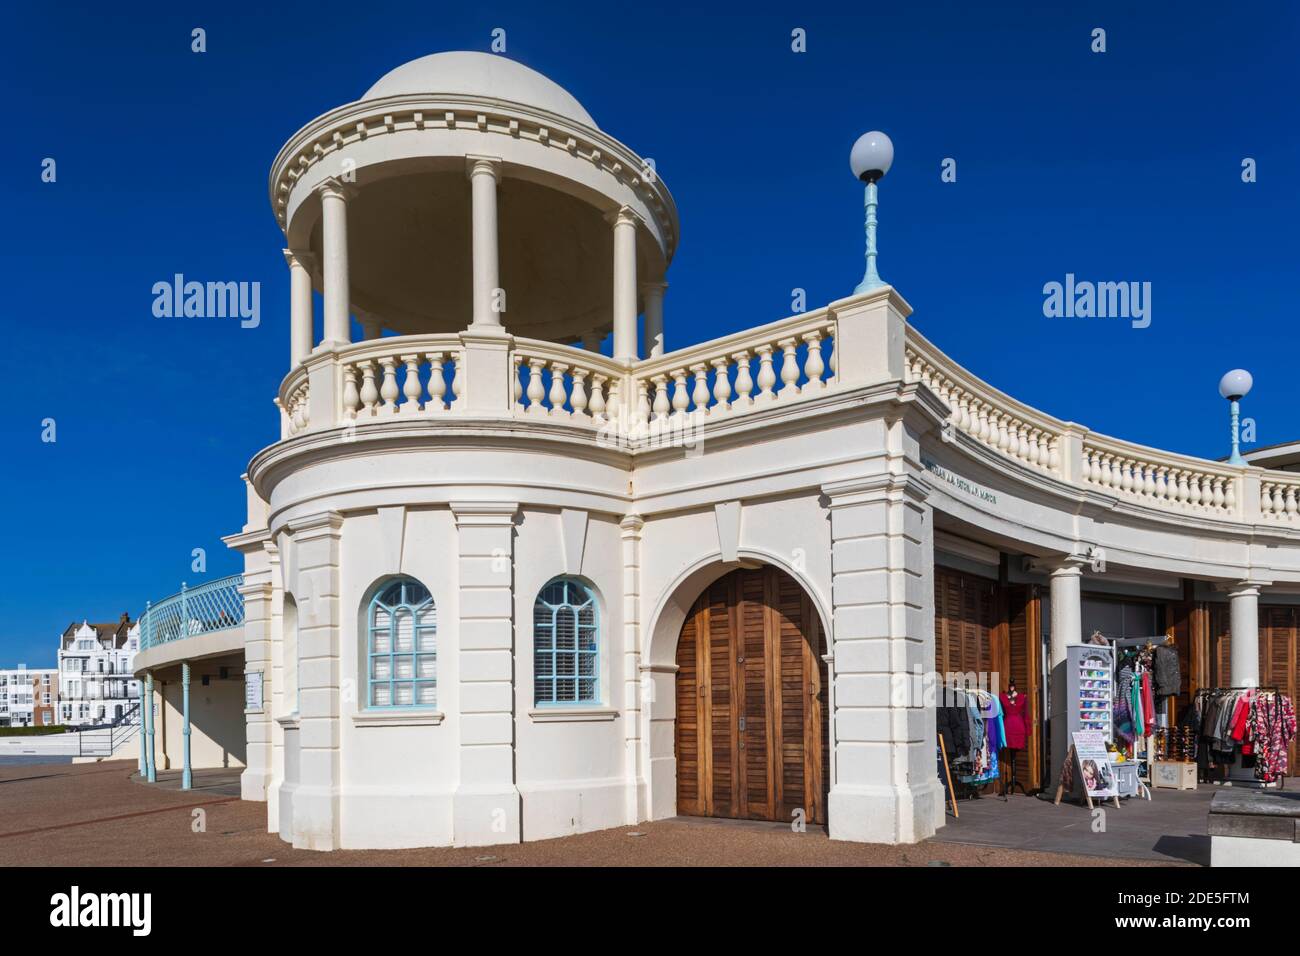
356	122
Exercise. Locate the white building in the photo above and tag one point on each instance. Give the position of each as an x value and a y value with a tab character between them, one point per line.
28	697
96	682
501	587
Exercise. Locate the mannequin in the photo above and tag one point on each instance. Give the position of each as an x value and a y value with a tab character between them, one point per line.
1015	711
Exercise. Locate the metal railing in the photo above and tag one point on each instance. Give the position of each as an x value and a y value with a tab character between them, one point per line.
103	740
214	606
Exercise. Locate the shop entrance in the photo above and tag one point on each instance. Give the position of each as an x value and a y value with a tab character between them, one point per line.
752	716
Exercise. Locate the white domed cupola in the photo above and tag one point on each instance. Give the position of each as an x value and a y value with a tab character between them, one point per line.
465	189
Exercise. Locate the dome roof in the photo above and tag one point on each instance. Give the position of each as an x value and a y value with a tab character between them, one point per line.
480	74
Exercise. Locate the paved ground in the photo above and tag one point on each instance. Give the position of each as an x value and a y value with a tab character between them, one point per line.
96	814
1170	827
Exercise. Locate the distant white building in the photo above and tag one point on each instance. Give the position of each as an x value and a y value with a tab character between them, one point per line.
96	684
28	697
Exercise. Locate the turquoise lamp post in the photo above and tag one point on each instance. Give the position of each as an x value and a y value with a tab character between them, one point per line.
1234	386
870	159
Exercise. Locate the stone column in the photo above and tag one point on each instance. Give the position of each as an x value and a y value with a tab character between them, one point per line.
653	296
1244	623
591	340
484	175
885	788
316	542
300	306
187	776
633	681
151	764
624	223
1066	630
334	198
486	807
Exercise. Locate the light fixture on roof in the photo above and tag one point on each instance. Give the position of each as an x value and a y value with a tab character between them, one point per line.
1234	386
870	159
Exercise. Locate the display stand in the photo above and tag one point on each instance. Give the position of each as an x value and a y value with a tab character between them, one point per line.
1066	782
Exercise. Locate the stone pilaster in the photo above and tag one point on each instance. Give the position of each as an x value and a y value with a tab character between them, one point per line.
485	807
633	684
885	787
316	542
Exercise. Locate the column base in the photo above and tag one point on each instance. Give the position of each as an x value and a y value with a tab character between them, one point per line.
885	814
486	817
253	785
315	818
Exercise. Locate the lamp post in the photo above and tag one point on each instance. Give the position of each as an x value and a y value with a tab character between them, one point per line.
870	159
1234	386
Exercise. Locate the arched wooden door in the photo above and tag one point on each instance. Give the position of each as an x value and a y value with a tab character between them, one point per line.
752	736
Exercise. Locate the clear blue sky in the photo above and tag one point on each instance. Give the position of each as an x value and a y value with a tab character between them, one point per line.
1117	166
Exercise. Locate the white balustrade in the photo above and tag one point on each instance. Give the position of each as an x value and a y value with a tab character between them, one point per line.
1165	484
556	381
1279	499
405	380
777	363
988	416
296	407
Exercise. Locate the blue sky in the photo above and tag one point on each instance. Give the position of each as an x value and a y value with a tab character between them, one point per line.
1122	166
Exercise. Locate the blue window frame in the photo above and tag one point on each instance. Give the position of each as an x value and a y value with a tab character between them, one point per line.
566	644
401	647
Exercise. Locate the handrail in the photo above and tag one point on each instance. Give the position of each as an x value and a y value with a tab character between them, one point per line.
210	607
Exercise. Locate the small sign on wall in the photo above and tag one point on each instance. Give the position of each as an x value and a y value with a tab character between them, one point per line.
252	692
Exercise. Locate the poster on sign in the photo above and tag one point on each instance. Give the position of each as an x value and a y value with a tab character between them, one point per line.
1094	764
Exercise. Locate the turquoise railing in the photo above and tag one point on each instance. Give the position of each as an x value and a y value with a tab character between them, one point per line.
214	606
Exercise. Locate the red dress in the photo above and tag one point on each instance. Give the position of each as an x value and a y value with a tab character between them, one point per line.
1015	720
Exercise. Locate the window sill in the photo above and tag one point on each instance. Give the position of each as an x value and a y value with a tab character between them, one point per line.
413	718
556	715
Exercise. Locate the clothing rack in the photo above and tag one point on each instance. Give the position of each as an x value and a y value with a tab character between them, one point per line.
1244	781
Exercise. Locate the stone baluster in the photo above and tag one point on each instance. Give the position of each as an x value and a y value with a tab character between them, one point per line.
578	394
1266	499
681	393
833	362
1279	500
700	393
351	397
766	374
661	405
789	368
721	385
814	365
1230	495
388	390
516	381
597	403
744	381
437	383
411	385
369	393
536	391
457	379
557	396
642	404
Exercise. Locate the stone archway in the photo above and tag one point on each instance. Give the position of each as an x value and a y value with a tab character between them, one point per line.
751	707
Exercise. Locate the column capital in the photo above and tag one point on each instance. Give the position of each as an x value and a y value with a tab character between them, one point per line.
1249	587
336	188
631	525
483	166
1071	565
299	259
653	285
622	216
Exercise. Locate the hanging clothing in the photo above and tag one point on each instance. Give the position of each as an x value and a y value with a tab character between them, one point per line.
1148	705
1167	673
1272	727
954	729
1015	716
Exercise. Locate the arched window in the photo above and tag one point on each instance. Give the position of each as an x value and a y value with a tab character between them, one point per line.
566	644
401	647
